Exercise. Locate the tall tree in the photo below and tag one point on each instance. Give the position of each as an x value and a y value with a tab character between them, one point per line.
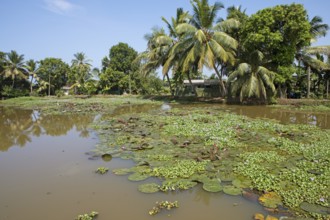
32	69
80	69
120	68
53	73
14	66
278	32
160	43
202	42
251	79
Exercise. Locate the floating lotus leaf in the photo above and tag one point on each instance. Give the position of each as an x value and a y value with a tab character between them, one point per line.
315	208
141	169
226	177
138	177
232	190
212	186
242	182
259	216
270	200
121	172
148	188
269	217
106	157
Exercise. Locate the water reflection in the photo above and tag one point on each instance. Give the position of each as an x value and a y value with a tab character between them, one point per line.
285	116
17	127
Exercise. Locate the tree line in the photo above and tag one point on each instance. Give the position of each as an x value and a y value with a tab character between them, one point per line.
255	58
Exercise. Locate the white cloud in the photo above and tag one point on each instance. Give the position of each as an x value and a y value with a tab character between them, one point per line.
59	6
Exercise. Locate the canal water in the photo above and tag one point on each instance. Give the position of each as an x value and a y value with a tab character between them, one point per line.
46	173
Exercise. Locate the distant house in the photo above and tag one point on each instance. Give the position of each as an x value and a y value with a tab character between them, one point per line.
204	88
66	90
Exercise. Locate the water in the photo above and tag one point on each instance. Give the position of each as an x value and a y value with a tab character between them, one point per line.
45	173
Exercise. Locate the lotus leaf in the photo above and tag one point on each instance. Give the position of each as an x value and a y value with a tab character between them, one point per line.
259	216
226	176
212	186
269	217
315	208
121	172
106	157
242	182
270	200
232	190
148	188
138	176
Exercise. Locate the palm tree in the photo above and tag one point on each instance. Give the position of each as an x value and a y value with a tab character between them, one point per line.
81	68
160	44
317	29
32	69
202	43
307	57
251	79
14	66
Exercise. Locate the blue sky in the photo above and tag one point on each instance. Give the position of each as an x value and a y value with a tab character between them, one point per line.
61	28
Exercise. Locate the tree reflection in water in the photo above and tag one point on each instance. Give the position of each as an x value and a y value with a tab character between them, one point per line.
17	126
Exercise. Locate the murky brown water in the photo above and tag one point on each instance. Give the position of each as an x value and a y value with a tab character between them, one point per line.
45	173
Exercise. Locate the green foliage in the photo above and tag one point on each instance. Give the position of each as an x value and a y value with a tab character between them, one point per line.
278	32
121	58
181	169
163	205
90	216
102	170
53	72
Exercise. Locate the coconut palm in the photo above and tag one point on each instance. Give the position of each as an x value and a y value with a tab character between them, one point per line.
202	43
251	80
307	57
80	70
14	66
160	43
318	29
32	69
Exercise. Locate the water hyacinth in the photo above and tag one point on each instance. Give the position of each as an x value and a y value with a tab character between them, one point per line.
289	160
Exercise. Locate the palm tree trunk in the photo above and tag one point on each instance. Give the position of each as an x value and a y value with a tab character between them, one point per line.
308	81
31	87
49	85
190	82
12	86
169	83
327	88
222	85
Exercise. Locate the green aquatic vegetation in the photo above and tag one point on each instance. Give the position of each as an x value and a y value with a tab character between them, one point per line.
149	188
90	216
177	184
217	131
270	200
212	185
102	170
180	169
138	177
190	147
163	205
232	190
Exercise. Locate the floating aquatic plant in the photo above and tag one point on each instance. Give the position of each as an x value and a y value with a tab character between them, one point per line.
90	216
102	170
149	188
163	205
189	147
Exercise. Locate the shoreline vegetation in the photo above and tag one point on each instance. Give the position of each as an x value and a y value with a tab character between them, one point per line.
102	103
286	166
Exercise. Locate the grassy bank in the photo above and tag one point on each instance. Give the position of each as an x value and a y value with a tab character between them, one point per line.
75	104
